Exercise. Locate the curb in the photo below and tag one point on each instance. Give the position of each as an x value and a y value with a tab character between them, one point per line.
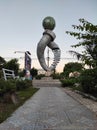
86	95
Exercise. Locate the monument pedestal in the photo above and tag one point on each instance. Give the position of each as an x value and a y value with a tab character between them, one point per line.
47	78
48	73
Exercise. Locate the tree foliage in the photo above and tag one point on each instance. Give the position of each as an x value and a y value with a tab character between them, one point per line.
71	67
87	33
12	65
34	72
22	73
88	81
2	62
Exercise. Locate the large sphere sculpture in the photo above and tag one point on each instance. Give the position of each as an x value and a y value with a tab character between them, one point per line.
47	40
49	23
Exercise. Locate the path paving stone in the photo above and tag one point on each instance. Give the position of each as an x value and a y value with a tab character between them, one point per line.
51	109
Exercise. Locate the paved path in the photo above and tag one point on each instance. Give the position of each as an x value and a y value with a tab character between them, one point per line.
51	109
89	103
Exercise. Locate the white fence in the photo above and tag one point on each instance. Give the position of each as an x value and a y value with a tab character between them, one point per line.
8	73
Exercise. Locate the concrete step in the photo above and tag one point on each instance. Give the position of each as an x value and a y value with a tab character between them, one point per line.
46	82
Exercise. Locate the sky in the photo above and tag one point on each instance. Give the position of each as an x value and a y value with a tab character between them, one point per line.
21	26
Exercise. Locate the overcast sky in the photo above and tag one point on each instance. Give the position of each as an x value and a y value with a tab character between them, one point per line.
21	24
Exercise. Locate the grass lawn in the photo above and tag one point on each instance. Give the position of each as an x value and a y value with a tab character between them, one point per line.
6	109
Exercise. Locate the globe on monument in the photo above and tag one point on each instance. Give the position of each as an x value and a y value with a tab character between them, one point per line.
49	23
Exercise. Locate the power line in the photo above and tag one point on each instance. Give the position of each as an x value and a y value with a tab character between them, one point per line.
63	58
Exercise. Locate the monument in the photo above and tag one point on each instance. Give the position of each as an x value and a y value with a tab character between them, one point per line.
48	40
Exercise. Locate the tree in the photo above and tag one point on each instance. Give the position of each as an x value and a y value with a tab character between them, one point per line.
88	34
71	67
34	72
12	65
22	73
2	62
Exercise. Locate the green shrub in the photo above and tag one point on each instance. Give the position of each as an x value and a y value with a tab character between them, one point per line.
23	84
40	76
20	85
13	85
88	81
56	76
68	82
6	86
10	86
2	87
28	83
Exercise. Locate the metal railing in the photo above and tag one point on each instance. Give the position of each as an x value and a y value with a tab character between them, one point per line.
8	73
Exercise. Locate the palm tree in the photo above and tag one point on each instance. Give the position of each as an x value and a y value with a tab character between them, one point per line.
76	54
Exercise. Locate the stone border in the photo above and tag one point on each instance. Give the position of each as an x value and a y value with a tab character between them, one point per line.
86	95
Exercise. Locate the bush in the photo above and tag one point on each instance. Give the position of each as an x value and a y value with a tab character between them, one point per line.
57	76
10	86
23	84
20	85
28	83
2	87
6	86
68	82
40	76
88	81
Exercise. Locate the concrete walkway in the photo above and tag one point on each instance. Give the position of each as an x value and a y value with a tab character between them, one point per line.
51	109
